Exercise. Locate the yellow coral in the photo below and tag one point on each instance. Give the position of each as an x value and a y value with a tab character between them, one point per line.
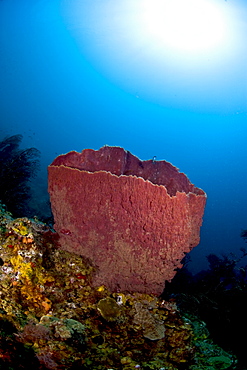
22	230
24	268
32	278
35	300
101	288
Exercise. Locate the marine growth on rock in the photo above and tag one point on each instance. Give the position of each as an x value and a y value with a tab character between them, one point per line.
55	318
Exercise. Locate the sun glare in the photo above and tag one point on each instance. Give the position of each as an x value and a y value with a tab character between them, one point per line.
190	25
171	52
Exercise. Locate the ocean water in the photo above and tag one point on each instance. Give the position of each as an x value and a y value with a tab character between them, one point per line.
82	74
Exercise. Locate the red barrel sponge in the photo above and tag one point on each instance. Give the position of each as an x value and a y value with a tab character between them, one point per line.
134	220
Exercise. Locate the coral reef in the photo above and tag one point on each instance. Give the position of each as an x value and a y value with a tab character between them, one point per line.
59	320
134	218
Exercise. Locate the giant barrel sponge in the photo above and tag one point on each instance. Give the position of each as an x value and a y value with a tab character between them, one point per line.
133	220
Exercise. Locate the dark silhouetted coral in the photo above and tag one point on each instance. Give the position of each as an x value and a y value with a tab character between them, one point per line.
218	297
244	235
17	168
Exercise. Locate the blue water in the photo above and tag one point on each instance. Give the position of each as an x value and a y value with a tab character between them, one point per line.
71	78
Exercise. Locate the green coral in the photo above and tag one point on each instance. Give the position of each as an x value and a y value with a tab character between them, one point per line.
220	362
208	355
